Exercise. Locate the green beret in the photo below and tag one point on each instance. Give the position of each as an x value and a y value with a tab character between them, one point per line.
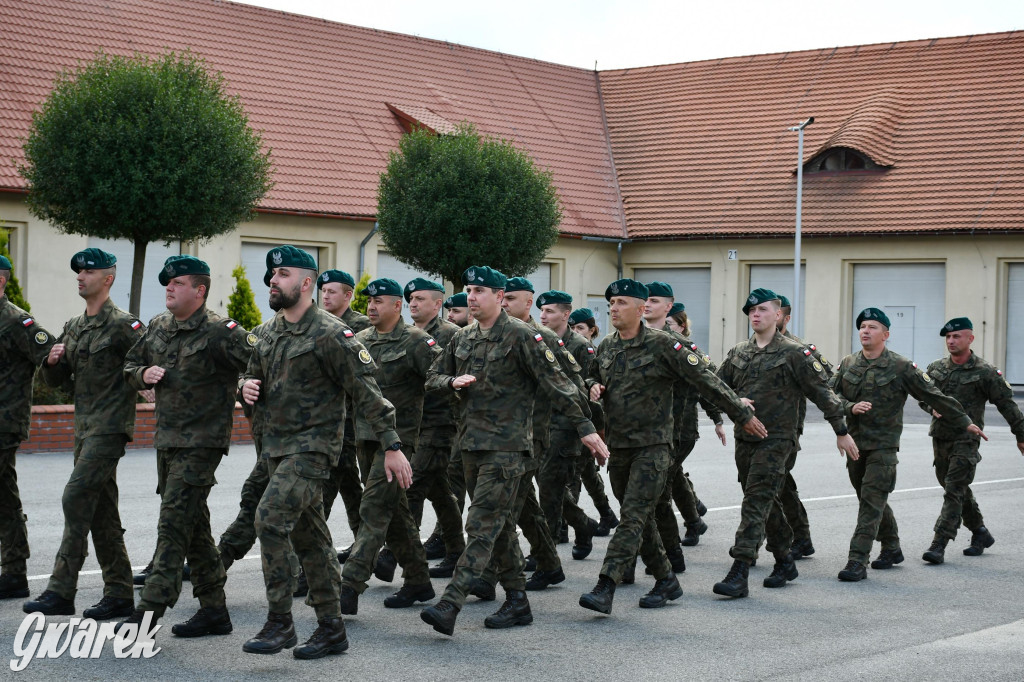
5	263
518	284
385	286
287	256
955	325
581	315
483	276
458	300
660	289
553	296
873	314
626	287
420	284
339	276
785	301
676	309
92	259
757	297
176	266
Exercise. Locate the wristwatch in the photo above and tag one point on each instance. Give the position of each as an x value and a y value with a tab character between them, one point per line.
394	447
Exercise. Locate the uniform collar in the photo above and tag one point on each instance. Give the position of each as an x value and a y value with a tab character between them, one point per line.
100	318
395	333
197	318
300	327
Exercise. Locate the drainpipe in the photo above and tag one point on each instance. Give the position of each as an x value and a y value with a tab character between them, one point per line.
618	242
362	250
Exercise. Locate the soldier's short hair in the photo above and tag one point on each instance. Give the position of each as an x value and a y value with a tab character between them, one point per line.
6	274
562	307
201	280
112	271
345	288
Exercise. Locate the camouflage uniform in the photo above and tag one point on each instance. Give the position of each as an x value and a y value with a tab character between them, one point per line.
92	369
796	515
195	403
403	356
23	347
775	378
972	384
433	452
345	478
513	367
638	375
306	368
884	382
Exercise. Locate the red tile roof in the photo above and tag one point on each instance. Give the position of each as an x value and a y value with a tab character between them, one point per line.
319	91
701	149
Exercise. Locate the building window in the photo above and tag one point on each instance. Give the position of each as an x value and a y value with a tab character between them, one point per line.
840	159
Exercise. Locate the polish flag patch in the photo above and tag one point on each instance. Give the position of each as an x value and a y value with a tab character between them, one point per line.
560	342
136	324
677	346
348	333
693	346
590	349
27	322
431	342
538	337
807	351
231	324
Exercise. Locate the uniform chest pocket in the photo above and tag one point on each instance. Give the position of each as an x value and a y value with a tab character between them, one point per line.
193	357
607	363
392	355
739	362
98	354
639	362
393	371
498	353
851	384
884	378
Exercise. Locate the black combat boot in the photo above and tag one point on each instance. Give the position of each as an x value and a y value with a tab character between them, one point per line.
49	603
328	638
608	521
855	571
531	564
445	569
349	601
409	595
886	559
600	598
136	619
693	532
936	554
515	611
434	547
665	590
482	590
735	583
110	607
542	579
207	621
584	540
140	577
301	585
13	586
277	633
441	616
802	548
386	565
981	540
701	508
676	558
783	571
344	554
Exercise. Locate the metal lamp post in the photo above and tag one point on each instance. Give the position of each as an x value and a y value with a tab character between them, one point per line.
799	128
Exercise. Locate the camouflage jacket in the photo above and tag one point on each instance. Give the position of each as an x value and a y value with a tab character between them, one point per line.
639	374
885	382
825	365
584	352
23	347
686	398
545	417
92	369
255	412
973	384
355	320
776	378
305	370
403	358
513	367
203	356
438	405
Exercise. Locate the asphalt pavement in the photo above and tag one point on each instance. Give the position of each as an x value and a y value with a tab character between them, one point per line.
962	620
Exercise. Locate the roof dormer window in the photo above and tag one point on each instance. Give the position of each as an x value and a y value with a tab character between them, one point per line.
840	159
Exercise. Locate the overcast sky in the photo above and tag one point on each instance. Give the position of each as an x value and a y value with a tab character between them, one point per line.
624	33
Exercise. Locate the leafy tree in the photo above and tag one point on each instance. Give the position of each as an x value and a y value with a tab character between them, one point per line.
242	303
13	289
359	301
446	202
146	149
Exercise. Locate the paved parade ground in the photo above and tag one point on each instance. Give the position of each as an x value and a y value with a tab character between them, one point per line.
962	620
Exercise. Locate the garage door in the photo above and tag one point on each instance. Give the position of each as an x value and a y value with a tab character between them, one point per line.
913	296
692	288
152	302
779	278
1015	325
254	258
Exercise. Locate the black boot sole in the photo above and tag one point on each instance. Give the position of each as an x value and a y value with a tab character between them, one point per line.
588	602
727	592
287	645
524	619
108	615
338	648
435	623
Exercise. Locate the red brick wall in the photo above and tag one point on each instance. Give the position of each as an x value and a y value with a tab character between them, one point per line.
53	428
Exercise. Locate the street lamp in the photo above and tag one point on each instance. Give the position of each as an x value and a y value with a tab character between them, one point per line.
799	128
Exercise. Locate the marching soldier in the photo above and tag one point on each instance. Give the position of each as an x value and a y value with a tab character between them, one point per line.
458	309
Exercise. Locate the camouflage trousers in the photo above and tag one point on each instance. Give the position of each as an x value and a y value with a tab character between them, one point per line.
796	515
430	482
556	472
291	515
13	529
587	476
185	477
664	514
456	482
345	480
384	515
681	486
873	477
955	463
493	477
761	467
638	477
90	506
240	536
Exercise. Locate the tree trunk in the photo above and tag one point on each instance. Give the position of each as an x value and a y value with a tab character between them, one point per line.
138	268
